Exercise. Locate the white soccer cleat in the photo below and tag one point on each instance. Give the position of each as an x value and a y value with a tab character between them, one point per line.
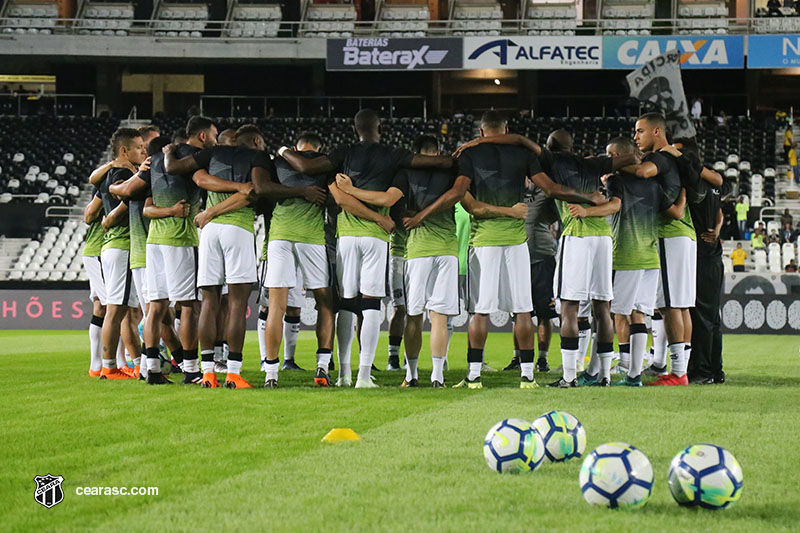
366	383
344	381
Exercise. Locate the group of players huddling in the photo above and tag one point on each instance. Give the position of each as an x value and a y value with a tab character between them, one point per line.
145	254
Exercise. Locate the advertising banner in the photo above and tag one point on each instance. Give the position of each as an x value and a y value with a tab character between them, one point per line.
384	53
712	51
533	52
773	51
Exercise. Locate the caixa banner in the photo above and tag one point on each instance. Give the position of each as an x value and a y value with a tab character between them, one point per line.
533	52
710	51
385	53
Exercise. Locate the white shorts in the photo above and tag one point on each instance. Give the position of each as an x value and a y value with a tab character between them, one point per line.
677	285
172	273
432	283
297	294
285	259
634	290
118	278
583	269
227	254
397	289
361	266
97	287
140	284
499	279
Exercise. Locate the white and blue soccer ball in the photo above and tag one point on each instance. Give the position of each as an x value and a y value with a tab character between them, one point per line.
512	446
705	475
563	435
616	475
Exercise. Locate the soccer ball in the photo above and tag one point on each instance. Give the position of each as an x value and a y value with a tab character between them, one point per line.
616	475
705	475
563	435
512	446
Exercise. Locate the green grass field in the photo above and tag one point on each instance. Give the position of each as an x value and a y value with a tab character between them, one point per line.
253	460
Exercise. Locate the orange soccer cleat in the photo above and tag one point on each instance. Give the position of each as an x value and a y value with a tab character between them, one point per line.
95	373
671	380
235	381
115	373
209	381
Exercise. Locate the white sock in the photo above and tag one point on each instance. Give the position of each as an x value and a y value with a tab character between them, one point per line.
605	364
370	330
659	343
153	365
568	363
192	365
677	358
526	370
235	367
109	363
262	340
584	336
95	347
411	369
323	360
121	359
290	333
271	369
594	361
394	351
137	361
177	325
437	374
638	347
474	371
364	372
625	355
345	330
206	366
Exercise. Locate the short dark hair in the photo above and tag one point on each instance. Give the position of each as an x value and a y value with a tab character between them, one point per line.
493	120
688	146
623	145
425	142
247	132
196	125
123	136
366	121
656	120
179	137
157	144
149	128
311	137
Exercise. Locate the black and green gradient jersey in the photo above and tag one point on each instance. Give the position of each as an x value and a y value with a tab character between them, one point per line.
93	241
117	236
398	241
233	163
139	226
582	174
497	173
166	191
542	212
372	167
635	226
296	219
670	180
463	230
436	235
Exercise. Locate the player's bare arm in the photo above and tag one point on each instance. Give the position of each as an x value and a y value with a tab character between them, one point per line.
506	138
602	210
93	210
354	206
231	203
116	217
677	209
483	210
567	194
211	183
180	209
175	166
317	165
432	161
382	198
264	186
450	198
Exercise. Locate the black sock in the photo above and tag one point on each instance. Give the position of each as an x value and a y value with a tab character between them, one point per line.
395	340
178	356
569	343
189	354
526	356
475	355
237	356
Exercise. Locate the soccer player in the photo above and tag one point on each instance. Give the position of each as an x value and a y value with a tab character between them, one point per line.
397	295
148	133
227	137
499	268
226	252
677	248
431	266
542	213
363	242
296	257
92	246
128	149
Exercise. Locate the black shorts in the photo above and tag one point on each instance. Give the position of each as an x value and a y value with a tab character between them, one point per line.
542	274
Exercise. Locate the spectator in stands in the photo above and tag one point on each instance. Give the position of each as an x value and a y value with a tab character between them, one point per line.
697	109
738	257
792	266
722	119
757	240
786	217
742	208
773	237
787	142
792	157
788	234
461	141
774	8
